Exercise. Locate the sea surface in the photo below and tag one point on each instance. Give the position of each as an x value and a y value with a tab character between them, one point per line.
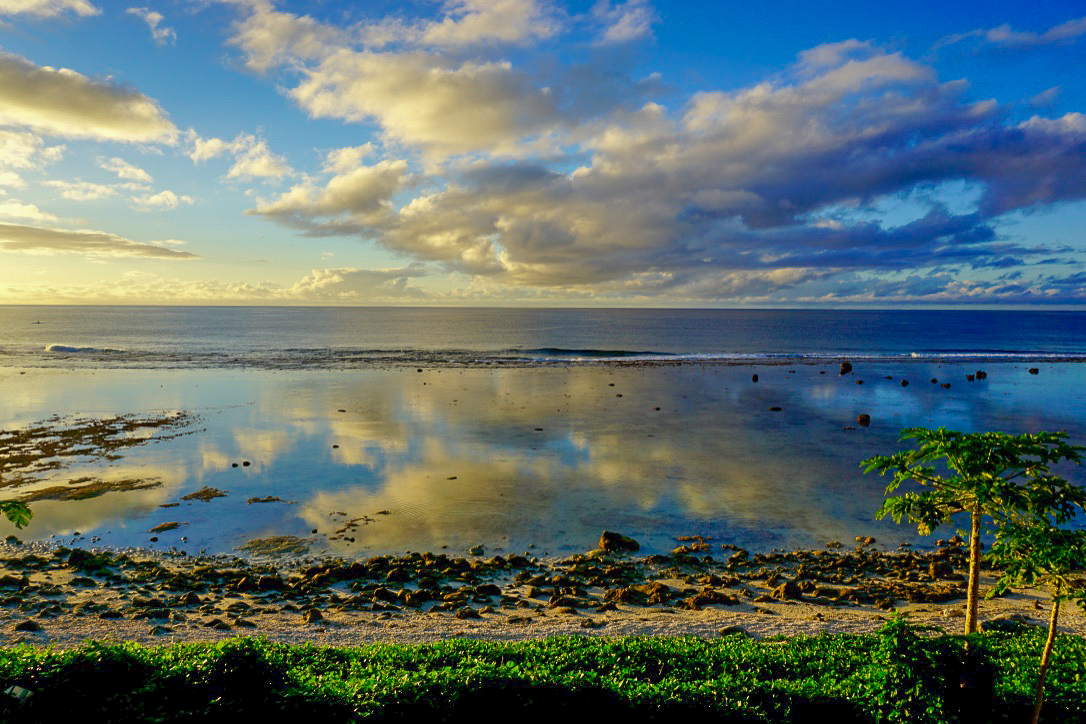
521	430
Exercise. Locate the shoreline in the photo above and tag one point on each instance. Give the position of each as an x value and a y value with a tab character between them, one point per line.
72	596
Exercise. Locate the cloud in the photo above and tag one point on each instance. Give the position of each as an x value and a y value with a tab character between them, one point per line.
161	34
1004	36
775	188
23	151
11	209
124	170
320	286
426	100
163	201
47	8
469	22
252	157
352	198
81	190
346	285
623	22
41	240
62	102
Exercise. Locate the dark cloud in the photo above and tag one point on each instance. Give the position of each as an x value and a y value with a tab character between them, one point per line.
40	240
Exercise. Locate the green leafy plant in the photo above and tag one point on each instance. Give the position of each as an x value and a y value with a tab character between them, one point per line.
990	475
1032	552
17	512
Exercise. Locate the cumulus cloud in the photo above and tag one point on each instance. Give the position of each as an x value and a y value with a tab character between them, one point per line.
418	82
11	209
252	157
161	34
42	240
23	151
165	200
124	169
47	8
623	22
734	195
353	198
62	102
468	22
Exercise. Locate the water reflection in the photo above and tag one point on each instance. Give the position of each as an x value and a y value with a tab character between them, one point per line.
512	458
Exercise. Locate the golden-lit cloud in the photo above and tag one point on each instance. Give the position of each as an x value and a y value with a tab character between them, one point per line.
63	102
43	240
252	157
47	8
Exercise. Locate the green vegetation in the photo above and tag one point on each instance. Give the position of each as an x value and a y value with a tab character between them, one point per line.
896	675
1006	478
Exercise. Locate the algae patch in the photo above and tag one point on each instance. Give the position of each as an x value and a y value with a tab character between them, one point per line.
279	545
38	452
206	494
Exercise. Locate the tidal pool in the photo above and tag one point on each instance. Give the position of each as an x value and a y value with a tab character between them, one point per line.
515	459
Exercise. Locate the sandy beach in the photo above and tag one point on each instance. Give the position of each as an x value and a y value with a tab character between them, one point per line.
60	597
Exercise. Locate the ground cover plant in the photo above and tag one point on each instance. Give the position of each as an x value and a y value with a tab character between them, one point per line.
898	674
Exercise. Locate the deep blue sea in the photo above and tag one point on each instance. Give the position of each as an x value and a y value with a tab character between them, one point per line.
527	430
340	338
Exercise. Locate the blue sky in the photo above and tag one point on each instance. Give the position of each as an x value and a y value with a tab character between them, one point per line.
525	152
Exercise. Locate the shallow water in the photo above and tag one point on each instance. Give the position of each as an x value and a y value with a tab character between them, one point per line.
522	459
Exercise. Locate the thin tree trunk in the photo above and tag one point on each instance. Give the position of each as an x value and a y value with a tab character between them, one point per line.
972	601
1046	659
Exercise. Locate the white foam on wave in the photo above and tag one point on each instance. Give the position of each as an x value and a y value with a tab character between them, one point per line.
64	348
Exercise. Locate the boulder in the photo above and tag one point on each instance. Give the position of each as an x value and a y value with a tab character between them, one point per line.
611	541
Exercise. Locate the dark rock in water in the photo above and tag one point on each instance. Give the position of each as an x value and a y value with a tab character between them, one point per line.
863	420
1034	370
970	377
754	378
846	367
946	385
934	380
28	625
859	382
611	541
981	375
775	409
904	383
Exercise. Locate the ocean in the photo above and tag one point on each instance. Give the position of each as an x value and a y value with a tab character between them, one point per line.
376	430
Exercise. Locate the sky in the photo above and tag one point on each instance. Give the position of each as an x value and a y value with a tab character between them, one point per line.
543	153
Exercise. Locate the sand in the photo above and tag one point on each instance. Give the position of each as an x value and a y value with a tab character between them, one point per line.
68	617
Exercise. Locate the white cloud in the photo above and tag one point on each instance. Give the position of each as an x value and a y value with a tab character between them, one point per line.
469	22
62	102
11	209
47	8
161	34
124	170
1007	37
361	194
42	240
165	200
623	22
252	157
420	99
81	190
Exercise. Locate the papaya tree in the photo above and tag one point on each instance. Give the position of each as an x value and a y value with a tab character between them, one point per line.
1032	552
16	511
979	477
